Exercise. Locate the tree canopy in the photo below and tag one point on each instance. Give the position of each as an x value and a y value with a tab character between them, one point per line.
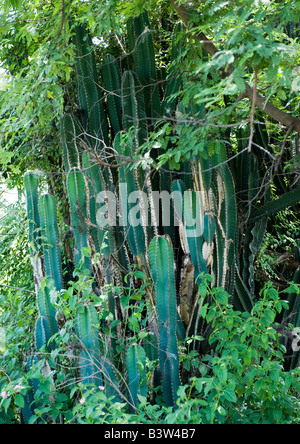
253	63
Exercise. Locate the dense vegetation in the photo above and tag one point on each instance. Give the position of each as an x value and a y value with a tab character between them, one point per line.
117	303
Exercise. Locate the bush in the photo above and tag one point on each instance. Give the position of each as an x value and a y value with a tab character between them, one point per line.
241	379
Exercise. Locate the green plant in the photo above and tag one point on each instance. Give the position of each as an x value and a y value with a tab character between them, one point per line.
86	323
243	380
31	183
162	268
137	378
232	219
49	229
77	193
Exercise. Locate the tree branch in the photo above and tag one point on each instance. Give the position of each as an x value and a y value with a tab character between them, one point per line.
261	102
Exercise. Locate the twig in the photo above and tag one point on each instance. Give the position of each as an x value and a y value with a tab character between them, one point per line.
17	288
63	16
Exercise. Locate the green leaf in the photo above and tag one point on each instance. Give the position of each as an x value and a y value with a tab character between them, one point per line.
229	395
221	296
19	401
222	374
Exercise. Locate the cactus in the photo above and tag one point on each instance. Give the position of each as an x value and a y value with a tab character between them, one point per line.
162	268
70	131
134	107
112	82
87	329
51	241
141	44
47	310
137	378
128	182
286	200
112	386
96	185
193	219
31	183
77	191
29	403
174	79
220	231
42	333
90	95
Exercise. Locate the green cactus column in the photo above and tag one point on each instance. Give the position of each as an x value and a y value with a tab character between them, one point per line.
70	136
112	82
87	329
51	240
141	44
128	184
137	378
31	183
89	92
78	191
162	268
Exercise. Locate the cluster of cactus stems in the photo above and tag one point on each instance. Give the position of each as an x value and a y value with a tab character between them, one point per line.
226	247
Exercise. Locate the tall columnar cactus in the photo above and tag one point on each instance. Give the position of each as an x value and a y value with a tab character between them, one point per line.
42	333
137	378
31	183
89	92
141	45
72	151
134	107
193	213
174	79
162	269
78	195
30	403
112	82
47	310
87	329
51	239
128	184
97	188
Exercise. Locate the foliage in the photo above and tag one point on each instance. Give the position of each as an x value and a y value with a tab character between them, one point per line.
17	299
241	379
